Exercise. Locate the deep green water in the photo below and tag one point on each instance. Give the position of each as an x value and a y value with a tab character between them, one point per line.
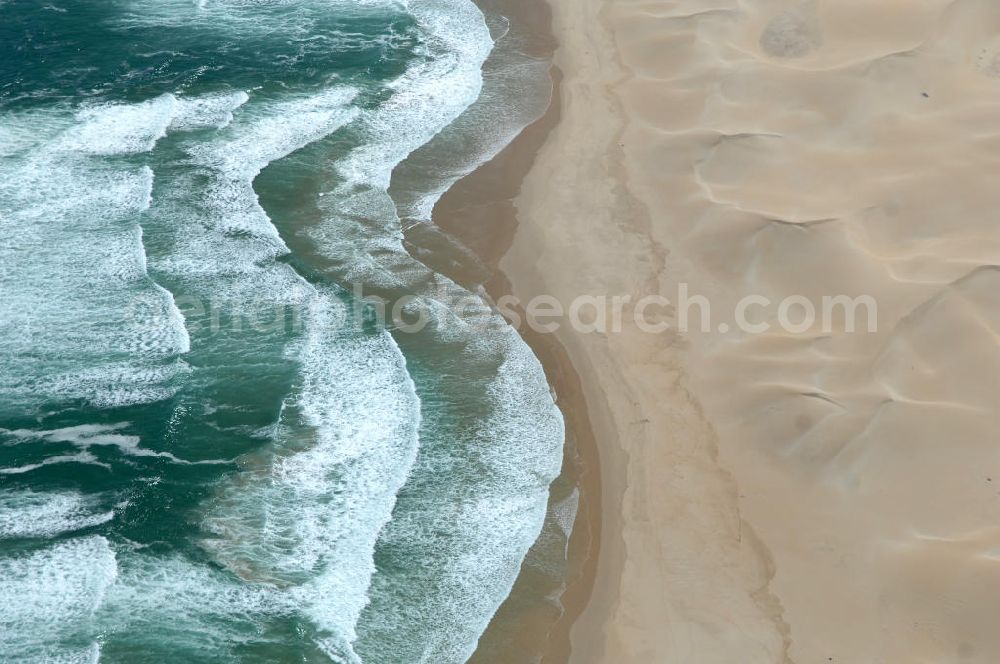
211	448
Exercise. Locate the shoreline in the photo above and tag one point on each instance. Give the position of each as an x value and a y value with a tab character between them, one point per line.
487	196
581	456
583	633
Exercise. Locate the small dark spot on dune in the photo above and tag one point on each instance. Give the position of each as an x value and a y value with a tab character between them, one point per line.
788	35
925	94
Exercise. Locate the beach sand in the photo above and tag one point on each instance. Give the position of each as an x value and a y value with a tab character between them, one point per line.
798	496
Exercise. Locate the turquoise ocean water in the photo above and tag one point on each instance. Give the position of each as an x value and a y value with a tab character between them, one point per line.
211	447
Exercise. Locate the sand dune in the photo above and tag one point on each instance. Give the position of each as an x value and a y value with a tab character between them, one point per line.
813	496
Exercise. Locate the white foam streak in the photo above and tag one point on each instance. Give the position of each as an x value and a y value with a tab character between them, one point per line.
208	111
86	436
30	514
118	129
85	458
429	96
273	131
77	215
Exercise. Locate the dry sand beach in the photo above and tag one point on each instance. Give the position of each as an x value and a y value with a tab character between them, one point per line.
809	496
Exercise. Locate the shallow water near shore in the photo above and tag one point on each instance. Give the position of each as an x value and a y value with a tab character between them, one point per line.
209	450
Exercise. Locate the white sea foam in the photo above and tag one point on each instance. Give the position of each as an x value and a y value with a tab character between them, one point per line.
270	131
83	435
310	516
109	385
516	92
207	112
115	129
32	514
428	96
23	131
51	655
294	19
171	593
565	513
50	596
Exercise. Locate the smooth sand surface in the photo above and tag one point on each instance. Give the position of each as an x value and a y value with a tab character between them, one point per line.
783	497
